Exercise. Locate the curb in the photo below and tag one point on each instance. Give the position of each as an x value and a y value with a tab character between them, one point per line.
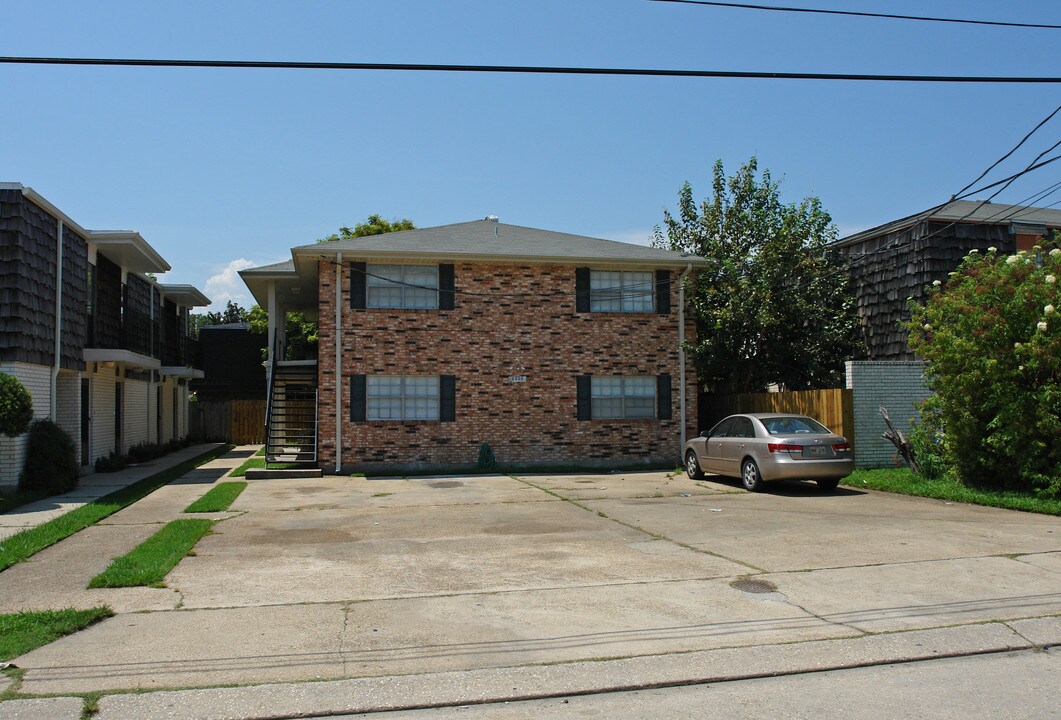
514	684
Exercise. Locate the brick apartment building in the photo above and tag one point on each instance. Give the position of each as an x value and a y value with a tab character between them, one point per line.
102	347
555	349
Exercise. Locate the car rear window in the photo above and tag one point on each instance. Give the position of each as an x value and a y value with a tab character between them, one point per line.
795	425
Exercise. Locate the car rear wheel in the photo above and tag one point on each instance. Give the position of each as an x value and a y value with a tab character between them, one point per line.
827	484
692	466
749	475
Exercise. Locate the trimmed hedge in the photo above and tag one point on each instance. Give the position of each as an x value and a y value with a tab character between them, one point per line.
16	406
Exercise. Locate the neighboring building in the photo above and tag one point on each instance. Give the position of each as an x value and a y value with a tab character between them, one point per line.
895	262
232	363
555	349
102	347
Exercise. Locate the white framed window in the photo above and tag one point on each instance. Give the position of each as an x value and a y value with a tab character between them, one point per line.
620	291
402	286
626	397
402	397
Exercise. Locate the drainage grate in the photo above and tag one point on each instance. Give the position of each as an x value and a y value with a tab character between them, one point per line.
754	586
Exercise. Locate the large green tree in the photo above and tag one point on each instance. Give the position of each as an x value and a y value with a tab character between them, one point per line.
772	304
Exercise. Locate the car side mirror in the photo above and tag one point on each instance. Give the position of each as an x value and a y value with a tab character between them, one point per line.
705	434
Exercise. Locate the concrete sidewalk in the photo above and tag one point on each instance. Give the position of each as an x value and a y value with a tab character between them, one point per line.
58	576
92	487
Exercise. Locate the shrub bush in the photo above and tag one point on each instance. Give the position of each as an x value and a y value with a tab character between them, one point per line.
51	460
992	339
111	463
16	406
928	440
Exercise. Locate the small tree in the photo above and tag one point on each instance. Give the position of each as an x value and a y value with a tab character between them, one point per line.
16	406
992	339
772	303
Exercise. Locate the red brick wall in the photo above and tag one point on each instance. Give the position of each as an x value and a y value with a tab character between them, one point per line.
484	340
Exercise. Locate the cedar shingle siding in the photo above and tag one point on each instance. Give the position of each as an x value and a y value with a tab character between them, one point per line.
108	304
27	285
137	315
883	279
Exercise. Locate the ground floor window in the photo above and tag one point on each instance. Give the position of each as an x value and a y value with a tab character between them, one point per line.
425	398
402	397
623	397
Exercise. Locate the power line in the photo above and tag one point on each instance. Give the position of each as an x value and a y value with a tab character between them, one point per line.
519	69
889	16
1015	148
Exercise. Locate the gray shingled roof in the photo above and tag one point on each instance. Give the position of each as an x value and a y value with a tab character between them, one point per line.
490	239
966	211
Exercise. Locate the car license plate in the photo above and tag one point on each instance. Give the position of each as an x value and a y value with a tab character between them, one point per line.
816	451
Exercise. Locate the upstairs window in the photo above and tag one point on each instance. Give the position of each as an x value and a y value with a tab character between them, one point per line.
622	291
615	291
409	287
402	286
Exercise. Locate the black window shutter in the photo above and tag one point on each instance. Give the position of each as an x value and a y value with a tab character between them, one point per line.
446	287
663	400
358	284
358	409
583	397
582	290
663	292
447	397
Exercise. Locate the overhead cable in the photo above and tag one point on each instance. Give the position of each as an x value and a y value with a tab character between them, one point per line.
855	13
520	69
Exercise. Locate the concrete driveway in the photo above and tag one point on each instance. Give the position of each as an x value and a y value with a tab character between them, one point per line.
360	578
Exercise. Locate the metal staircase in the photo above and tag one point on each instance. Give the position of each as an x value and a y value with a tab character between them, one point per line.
291	423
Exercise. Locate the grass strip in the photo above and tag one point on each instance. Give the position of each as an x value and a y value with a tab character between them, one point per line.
905	482
261	452
150	561
25	631
256	463
218	498
24	544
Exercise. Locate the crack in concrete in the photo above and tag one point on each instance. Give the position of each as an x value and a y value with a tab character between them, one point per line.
342	634
1019	558
654	536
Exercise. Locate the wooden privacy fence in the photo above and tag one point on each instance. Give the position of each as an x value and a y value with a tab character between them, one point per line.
241	422
833	408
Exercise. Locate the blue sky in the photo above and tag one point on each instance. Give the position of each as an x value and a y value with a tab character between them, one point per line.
222	169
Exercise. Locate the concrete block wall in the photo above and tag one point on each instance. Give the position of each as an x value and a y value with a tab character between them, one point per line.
897	385
37	379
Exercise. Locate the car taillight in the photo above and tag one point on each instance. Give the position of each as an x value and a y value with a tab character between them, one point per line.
841	447
784	448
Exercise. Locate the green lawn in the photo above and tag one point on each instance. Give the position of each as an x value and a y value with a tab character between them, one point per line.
255	463
150	561
24	631
22	545
219	498
905	482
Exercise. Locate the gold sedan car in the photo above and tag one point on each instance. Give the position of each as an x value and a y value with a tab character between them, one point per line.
760	447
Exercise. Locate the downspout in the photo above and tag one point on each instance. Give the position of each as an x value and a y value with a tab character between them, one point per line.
338	362
681	349
54	406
